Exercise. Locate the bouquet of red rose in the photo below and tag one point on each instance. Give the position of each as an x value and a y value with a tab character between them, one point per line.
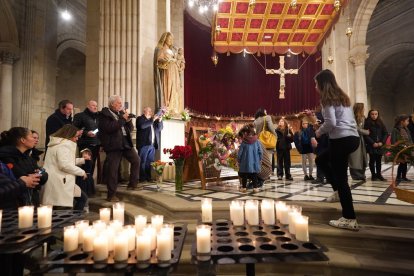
178	154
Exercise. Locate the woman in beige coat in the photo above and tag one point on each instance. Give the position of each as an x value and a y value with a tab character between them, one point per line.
60	163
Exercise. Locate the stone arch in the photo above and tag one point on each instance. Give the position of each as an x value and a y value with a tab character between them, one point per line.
70	43
9	39
361	21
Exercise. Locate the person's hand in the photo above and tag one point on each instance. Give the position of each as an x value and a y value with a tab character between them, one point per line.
317	134
156	117
31	180
314	142
126	115
85	176
375	145
380	144
87	157
90	134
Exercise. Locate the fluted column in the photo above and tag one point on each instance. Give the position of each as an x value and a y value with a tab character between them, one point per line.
358	56
6	89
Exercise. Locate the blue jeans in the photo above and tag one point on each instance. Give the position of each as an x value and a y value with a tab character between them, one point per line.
146	153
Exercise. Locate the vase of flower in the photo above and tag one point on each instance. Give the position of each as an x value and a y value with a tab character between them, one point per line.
179	169
158	167
179	154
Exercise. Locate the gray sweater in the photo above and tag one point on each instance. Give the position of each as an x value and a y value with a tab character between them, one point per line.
339	122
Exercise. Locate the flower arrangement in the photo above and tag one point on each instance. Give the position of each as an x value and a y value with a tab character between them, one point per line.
178	154
185	115
158	167
406	155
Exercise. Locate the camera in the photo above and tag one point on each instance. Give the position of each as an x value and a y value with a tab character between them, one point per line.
132	115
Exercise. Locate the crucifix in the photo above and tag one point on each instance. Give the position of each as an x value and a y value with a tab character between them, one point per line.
281	71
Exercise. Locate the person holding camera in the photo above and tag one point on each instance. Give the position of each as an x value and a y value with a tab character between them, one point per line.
148	140
115	127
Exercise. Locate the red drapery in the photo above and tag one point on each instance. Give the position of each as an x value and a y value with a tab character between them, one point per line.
239	84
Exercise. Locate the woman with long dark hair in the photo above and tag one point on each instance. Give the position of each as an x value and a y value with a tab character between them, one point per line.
341	127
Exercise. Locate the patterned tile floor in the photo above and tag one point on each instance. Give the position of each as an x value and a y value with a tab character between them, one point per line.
371	192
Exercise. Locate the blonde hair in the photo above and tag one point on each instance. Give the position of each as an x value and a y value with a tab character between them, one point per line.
359	112
163	38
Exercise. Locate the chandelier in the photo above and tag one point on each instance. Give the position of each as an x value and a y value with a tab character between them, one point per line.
204	6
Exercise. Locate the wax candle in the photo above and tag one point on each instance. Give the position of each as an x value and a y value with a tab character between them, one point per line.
279	205
119	211
81	225
88	236
131	232
140	223
26	216
100	248
105	214
203	233
156	222
169	229
163	246
284	214
115	225
293	213
99	226
110	234
143	249
206	210
251	209
121	246
301	228
151	234
237	212
268	211
44	216
70	238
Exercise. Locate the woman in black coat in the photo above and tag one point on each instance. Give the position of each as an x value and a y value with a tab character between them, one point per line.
375	140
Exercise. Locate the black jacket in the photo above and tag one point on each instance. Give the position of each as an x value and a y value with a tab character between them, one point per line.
88	121
110	131
144	131
10	191
377	133
283	141
54	122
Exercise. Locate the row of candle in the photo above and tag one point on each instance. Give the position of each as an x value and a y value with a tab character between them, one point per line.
26	216
287	215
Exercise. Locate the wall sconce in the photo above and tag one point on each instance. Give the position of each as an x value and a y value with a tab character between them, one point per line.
294	4
252	4
337	5
217	30
330	57
214	58
349	30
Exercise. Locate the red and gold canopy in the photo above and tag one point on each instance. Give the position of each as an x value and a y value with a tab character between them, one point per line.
272	25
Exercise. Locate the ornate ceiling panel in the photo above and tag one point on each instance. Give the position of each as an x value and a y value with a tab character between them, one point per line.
272	25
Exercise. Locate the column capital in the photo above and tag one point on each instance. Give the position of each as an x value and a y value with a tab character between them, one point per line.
358	55
7	57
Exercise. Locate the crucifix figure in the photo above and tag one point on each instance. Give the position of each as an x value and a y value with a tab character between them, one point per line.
281	71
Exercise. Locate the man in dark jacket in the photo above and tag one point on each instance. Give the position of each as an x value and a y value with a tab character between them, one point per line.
88	121
61	117
115	127
148	139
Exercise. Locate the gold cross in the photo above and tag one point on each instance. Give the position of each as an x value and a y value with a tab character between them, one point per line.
281	71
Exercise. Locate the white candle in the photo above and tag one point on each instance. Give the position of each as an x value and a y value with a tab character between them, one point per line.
203	238
105	214
206	210
294	211
99	226
44	216
70	238
26	216
88	236
284	214
100	248
119	211
110	235
121	246
81	225
156	222
151	234
301	228
279	206
268	211
140	223
169	229
115	225
143	250
237	212
163	246
251	209
131	232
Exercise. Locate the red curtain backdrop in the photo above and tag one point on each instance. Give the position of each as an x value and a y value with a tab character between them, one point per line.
239	84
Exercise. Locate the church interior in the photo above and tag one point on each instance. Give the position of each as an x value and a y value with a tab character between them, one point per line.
240	55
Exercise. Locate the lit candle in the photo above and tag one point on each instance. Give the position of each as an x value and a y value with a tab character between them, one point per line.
105	214
301	228
140	223
99	226
251	209
143	249
203	233
110	235
163	246
237	212
121	247
151	234
131	232
169	228
279	206
293	213
115	225
44	216
70	238
156	222
100	248
268	211
81	225
88	236
284	214
206	210
26	216
119	211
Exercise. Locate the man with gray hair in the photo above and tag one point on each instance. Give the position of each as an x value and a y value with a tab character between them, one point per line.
115	127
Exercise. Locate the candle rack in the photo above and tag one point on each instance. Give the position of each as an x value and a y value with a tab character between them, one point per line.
78	257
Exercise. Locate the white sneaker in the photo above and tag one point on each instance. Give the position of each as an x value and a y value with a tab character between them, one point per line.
333	197
350	224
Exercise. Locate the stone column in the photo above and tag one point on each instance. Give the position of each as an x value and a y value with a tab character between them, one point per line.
168	15
6	89
358	56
